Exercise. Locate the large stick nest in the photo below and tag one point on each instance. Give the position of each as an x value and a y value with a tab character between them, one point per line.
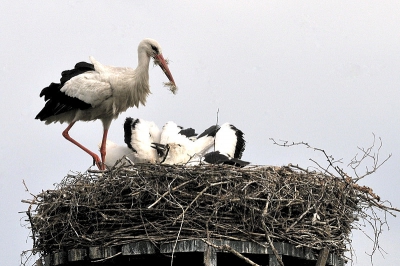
163	203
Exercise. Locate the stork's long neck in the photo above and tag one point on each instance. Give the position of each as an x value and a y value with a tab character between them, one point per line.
141	81
143	65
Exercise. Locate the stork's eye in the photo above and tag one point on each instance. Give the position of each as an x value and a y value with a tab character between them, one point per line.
155	49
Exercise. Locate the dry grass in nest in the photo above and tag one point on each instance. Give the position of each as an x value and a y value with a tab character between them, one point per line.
162	203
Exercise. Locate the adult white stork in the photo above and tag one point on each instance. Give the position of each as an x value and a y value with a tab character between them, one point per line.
95	91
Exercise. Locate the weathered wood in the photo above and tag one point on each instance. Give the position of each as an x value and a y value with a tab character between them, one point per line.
47	260
77	254
210	256
227	248
101	252
245	246
273	260
139	248
335	260
308	254
109	251
322	257
96	253
59	258
195	245
210	249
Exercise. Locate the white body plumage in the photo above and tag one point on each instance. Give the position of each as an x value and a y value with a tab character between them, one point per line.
95	91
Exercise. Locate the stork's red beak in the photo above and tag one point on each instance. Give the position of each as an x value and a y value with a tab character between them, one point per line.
159	59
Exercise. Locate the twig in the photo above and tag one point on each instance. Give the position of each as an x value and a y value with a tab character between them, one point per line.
263	215
110	257
167	192
231	250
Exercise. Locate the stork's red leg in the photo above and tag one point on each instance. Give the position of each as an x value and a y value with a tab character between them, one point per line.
103	147
94	156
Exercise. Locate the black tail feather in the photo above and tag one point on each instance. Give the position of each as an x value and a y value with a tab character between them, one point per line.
240	144
211	131
56	101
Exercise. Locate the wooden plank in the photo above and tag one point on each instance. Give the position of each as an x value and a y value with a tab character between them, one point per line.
59	258
96	253
273	261
101	252
309	254
195	245
210	256
48	260
289	250
139	248
293	251
335	260
109	251
245	246
322	257
77	254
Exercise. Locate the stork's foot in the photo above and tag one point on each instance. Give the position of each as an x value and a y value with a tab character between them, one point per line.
97	161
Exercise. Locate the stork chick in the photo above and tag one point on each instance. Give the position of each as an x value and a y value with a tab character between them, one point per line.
139	136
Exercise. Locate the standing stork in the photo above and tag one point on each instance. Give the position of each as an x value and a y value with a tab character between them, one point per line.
95	91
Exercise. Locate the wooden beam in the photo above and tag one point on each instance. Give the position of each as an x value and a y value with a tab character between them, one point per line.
59	258
77	254
47	260
210	256
139	248
194	245
322	257
273	260
96	253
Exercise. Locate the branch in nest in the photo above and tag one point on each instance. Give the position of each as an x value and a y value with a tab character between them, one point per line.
143	202
231	250
368	153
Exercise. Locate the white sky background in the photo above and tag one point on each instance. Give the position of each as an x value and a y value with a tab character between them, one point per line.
322	72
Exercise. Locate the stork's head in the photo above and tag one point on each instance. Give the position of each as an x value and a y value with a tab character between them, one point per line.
175	154
153	49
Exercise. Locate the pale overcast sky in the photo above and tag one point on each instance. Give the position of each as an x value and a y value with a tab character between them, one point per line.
322	72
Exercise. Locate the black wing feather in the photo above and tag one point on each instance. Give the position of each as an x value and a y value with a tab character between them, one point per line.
240	142
188	132
211	131
58	102
129	125
216	157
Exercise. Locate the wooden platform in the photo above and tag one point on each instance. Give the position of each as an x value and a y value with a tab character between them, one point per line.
193	252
